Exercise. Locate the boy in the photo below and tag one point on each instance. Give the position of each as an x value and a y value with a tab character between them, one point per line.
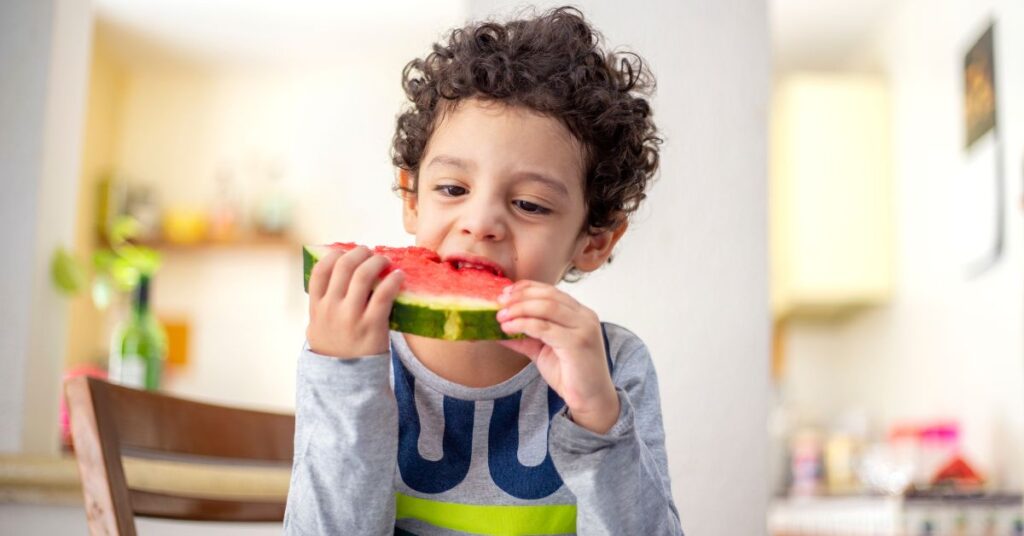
523	152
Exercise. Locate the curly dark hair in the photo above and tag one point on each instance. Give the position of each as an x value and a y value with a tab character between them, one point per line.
554	64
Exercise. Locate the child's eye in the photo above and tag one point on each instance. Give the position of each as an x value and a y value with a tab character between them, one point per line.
450	190
531	208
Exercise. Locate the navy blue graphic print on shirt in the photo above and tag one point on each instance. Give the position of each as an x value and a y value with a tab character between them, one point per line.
516	479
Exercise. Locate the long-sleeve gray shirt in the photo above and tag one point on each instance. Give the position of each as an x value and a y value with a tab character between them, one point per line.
385	446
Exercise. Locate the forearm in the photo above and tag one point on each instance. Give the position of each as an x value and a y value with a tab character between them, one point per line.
617	481
346	441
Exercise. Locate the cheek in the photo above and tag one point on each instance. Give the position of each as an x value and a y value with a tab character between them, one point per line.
545	260
432	229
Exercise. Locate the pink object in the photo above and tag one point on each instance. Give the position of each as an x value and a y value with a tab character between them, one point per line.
946	432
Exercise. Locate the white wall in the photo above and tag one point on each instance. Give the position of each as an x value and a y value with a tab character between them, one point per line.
690	277
44	50
26	25
947	346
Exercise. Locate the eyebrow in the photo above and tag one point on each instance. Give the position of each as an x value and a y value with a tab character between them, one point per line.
556	186
448	161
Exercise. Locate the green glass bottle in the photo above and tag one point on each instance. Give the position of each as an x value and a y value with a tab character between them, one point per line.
139	347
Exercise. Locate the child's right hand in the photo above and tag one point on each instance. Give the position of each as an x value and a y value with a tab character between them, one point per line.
347	316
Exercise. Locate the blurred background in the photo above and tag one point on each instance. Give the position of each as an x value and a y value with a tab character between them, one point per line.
828	271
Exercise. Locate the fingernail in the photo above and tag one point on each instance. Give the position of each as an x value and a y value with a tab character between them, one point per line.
502	314
503	298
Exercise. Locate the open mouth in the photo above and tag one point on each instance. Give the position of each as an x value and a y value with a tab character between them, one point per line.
460	264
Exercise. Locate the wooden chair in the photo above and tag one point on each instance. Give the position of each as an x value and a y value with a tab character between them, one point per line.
108	421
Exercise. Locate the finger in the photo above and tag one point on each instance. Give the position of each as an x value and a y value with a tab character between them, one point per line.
320	275
534	289
383	297
545	331
341	275
521	284
529	347
550	333
364	279
544	309
537	290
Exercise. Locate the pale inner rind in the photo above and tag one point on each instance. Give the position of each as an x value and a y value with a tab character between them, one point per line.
445	302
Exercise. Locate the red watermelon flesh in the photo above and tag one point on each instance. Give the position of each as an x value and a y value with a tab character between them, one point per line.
426	273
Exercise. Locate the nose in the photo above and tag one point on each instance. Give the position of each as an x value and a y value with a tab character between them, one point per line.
483	220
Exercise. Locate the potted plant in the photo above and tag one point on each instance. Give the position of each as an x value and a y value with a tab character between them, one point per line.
139	344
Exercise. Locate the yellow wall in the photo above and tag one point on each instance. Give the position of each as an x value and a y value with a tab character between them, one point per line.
87	332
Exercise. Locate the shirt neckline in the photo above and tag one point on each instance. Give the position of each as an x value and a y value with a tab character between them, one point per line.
457	390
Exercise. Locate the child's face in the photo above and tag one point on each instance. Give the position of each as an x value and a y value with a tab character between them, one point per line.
505	185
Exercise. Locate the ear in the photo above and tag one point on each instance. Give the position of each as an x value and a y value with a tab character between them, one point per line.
594	249
410	214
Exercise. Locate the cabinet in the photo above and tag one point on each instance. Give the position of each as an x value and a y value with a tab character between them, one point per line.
830	195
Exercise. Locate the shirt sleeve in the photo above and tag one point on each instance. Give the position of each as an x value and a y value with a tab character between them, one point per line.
620	479
346	446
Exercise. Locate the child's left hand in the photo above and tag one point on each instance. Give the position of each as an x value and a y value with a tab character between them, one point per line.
567	346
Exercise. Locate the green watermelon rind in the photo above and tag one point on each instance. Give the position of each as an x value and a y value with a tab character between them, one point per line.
416	315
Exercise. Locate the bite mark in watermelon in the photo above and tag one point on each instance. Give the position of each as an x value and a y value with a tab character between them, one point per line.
436	299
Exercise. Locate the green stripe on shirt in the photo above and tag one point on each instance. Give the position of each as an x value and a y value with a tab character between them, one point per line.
496	520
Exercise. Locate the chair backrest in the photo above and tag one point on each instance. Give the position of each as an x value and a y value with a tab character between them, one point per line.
109	420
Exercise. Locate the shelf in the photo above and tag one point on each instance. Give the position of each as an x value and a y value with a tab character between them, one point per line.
244	242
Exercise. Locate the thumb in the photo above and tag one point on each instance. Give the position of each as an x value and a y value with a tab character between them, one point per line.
529	347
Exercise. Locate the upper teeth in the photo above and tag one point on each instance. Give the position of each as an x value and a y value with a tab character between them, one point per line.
465	264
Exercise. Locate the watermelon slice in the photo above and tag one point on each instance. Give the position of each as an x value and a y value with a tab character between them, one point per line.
437	299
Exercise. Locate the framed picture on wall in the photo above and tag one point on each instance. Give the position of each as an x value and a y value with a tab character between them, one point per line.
979	89
979	188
